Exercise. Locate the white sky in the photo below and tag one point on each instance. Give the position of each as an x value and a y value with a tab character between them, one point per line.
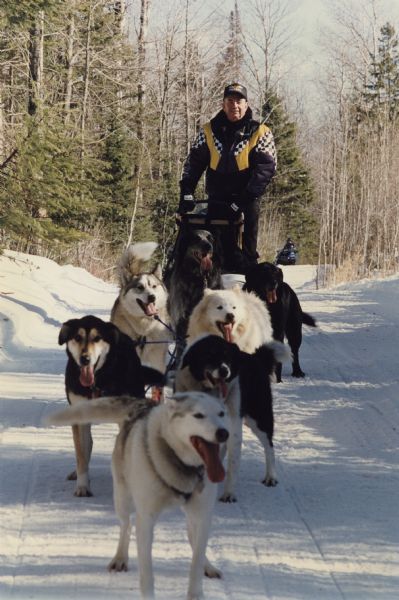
305	59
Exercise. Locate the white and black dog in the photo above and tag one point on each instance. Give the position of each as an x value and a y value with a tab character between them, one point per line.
101	361
165	455
242	381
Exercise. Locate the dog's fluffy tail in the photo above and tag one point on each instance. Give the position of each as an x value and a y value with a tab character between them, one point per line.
133	260
271	353
101	410
308	320
281	352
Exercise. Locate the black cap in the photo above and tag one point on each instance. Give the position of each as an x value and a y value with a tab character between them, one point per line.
235	88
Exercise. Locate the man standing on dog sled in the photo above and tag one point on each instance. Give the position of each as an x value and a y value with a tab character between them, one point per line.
239	157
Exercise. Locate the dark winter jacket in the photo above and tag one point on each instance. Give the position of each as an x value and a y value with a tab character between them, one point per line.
239	158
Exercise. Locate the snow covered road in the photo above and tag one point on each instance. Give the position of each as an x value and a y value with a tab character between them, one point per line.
329	530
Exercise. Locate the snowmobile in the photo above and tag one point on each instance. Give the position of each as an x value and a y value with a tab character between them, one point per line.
286	256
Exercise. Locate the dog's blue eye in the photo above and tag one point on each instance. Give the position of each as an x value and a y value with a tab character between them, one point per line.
198	416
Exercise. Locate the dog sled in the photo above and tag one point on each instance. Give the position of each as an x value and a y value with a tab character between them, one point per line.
226	229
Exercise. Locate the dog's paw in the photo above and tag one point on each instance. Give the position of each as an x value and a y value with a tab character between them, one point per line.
82	492
228	497
72	476
118	564
270	481
195	596
212	572
298	373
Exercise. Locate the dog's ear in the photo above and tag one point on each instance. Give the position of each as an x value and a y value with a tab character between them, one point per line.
66	330
112	332
280	274
157	271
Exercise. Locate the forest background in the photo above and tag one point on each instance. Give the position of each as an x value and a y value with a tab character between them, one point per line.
100	101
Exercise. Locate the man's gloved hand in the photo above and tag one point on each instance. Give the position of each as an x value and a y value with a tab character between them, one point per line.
187	203
235	209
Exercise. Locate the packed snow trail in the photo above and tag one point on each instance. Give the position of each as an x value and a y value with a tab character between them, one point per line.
328	531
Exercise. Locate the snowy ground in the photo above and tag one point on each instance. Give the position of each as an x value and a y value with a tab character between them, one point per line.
329	530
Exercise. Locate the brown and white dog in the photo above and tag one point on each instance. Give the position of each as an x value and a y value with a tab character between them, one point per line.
101	361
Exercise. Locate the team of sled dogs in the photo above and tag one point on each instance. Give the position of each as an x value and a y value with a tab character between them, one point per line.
169	450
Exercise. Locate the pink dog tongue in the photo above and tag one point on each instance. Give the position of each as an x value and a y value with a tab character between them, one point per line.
150	309
271	296
86	376
206	263
223	388
227	331
210	455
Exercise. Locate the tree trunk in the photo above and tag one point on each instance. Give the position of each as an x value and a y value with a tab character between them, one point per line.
36	39
186	85
86	78
69	68
141	51
2	137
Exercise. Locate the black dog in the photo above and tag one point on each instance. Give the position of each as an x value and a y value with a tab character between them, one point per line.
102	361
266	281
196	266
242	380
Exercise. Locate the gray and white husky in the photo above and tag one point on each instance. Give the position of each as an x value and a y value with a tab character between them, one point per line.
141	302
165	455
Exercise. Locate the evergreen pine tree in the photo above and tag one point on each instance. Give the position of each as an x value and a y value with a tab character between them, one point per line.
41	192
291	189
116	196
230	67
382	88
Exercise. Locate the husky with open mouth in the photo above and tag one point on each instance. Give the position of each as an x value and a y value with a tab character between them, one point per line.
140	309
101	361
165	455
